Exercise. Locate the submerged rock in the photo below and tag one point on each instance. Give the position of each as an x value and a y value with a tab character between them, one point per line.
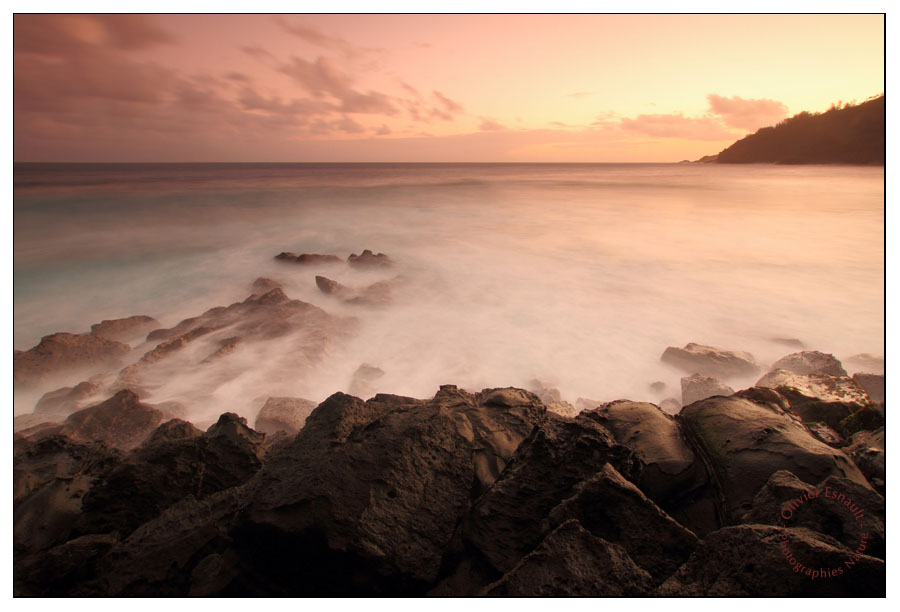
308	258
68	399
368	259
866	362
710	361
264	285
362	384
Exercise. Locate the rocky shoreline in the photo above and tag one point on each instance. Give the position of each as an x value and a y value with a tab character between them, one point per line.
771	490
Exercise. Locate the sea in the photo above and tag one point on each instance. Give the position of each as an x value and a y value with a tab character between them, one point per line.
575	275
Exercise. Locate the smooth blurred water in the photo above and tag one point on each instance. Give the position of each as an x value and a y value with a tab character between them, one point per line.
579	275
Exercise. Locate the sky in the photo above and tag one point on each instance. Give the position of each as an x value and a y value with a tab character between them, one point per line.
426	88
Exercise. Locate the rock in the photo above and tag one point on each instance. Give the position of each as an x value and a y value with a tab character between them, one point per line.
670	405
26	423
788	342
866	448
658	386
866	362
869	418
582	404
671	475
376	294
263	285
571	562
504	523
226	347
330	287
50	477
710	361
809	362
310	259
826	434
767	561
287	414
873	384
368	259
364	378
68	399
307	258
815	388
64	569
786	500
124	330
746	442
64	353
122	421
544	391
177	460
610	507
696	387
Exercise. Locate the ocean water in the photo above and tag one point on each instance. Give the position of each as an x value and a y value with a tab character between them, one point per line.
578	275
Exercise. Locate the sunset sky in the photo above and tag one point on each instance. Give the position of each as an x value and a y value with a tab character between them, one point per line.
566	88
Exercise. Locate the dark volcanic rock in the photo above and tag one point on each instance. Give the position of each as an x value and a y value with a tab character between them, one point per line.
50	476
696	387
746	442
615	510
750	561
376	294
672	475
504	524
710	361
121	421
287	414
124	330
66	353
826	434
177	460
869	418
368	259
810	362
866	448
573	562
788	501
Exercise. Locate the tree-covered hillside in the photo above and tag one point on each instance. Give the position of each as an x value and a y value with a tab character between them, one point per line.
848	134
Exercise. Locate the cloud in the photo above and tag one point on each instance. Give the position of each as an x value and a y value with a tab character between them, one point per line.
451	106
747	114
322	78
677	126
65	35
489	125
316	37
250	100
581	94
384	130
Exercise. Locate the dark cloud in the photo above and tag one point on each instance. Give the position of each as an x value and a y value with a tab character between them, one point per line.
677	126
237	76
747	114
250	100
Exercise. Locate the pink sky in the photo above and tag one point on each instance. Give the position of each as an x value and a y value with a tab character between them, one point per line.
573	88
